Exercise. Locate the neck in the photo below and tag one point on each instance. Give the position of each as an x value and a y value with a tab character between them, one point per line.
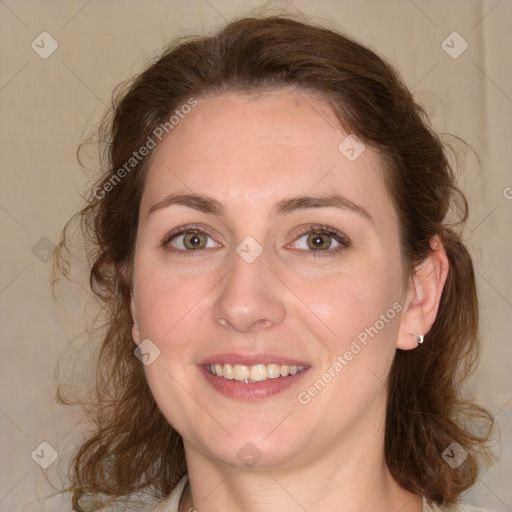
351	477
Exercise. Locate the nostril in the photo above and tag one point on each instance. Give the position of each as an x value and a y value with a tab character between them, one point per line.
260	324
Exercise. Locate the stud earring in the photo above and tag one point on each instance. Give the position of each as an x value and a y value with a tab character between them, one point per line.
419	338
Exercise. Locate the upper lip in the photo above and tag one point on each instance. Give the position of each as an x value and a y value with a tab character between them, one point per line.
251	360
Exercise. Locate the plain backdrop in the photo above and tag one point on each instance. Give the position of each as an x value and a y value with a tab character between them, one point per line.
49	104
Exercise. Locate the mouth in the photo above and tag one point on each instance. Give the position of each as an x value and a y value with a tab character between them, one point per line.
252	376
255	373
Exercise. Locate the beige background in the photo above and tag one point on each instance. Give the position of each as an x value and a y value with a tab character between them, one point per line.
48	104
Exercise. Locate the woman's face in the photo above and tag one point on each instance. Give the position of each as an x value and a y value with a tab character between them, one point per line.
232	267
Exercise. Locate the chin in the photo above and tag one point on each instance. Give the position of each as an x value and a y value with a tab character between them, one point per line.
255	447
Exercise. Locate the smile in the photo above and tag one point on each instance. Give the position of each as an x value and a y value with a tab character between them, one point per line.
255	373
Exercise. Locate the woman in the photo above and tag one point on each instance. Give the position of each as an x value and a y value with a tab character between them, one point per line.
290	311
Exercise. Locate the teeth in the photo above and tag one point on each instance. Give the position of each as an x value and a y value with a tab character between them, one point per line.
256	373
240	372
227	371
218	370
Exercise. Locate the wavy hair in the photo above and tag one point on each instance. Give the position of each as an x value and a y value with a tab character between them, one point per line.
133	448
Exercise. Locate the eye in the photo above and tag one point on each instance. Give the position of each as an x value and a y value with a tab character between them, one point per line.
188	239
321	239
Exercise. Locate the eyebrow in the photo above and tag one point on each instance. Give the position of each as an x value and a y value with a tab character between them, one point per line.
209	205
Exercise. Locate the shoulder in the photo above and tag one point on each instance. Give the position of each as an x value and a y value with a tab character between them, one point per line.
171	503
458	507
467	508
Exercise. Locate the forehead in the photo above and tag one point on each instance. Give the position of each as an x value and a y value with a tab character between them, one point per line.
255	149
283	122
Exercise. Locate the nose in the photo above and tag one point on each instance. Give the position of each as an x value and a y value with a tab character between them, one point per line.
250	297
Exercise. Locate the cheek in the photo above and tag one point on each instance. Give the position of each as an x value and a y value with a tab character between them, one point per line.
357	317
351	301
171	315
164	300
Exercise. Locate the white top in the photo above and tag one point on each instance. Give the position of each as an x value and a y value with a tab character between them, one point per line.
171	503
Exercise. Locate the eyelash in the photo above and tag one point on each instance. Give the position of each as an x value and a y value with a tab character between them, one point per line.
312	228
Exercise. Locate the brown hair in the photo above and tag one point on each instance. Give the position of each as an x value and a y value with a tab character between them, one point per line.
134	448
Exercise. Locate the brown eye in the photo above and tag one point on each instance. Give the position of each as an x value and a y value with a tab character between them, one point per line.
319	241
188	240
194	240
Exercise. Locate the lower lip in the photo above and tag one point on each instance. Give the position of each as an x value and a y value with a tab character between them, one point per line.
252	390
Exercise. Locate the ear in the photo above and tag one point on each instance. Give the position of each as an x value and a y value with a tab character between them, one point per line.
125	270
423	296
135	328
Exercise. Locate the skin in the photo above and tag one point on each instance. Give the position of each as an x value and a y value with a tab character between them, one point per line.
249	152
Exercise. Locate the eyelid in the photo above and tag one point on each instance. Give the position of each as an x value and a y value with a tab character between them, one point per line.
321	228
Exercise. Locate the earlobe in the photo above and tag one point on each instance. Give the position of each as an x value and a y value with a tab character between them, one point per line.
423	297
135	327
135	334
